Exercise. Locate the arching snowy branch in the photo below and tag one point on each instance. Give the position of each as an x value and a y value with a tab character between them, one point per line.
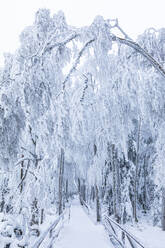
143	52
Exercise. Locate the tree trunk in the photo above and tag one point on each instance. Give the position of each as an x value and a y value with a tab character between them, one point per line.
98	210
136	173
145	187
92	194
79	186
79	191
118	193
2	203
35	213
61	174
116	184
22	174
83	191
66	190
42	216
114	180
163	209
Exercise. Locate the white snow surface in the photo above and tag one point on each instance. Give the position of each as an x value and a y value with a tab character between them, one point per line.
82	232
150	236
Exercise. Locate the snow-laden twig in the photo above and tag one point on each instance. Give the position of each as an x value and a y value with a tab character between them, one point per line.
84	89
77	62
18	163
25	175
49	48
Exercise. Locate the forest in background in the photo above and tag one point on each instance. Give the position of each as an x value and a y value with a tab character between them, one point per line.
83	111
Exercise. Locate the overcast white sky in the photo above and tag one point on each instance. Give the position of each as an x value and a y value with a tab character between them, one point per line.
134	16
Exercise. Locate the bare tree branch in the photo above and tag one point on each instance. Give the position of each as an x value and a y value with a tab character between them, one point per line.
18	163
22	160
31	172
34	155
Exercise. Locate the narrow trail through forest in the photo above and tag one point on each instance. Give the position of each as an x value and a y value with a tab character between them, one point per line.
81	232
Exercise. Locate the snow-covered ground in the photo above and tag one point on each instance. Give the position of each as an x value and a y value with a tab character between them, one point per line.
151	237
80	231
8	222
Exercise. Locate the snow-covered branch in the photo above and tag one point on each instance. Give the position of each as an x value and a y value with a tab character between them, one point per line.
77	62
84	89
25	175
48	48
142	51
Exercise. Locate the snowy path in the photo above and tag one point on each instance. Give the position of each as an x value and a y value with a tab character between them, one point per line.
80	232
